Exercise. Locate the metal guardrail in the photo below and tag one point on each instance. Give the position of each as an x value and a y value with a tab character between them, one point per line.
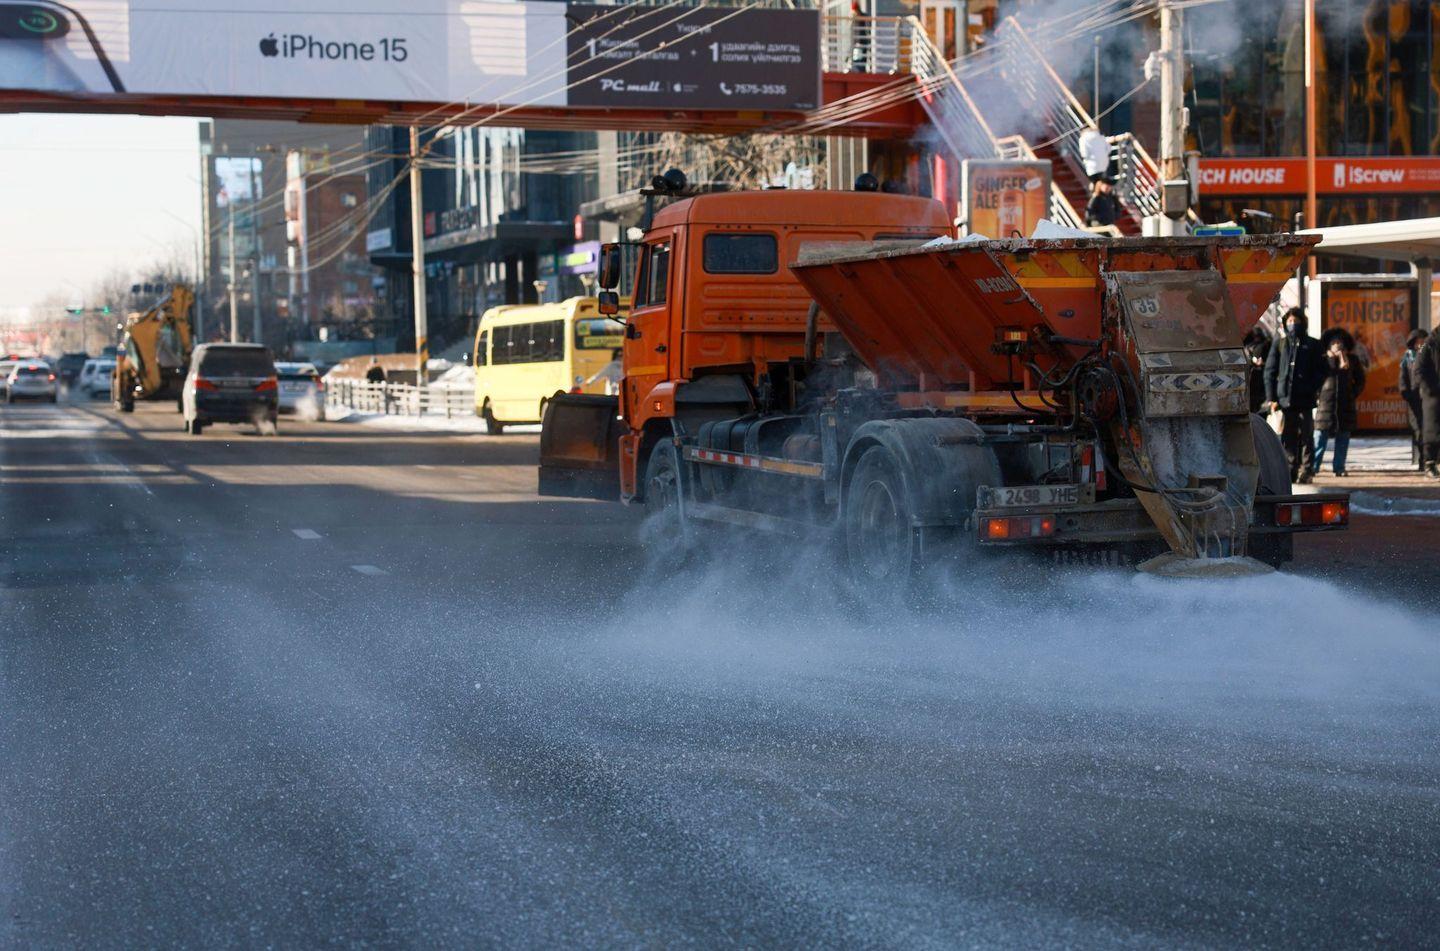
400	399
954	114
880	45
1137	179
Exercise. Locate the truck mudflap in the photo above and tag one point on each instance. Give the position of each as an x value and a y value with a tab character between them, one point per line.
580	447
1125	520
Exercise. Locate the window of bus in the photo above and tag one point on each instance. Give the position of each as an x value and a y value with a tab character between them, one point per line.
598	333
540	342
656	276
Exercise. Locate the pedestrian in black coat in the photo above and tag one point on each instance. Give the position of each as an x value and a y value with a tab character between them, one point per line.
1257	348
1294	372
1409	385
1427	368
1337	406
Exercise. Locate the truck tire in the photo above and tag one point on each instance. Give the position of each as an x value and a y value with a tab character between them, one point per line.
882	546
1273	550
667	534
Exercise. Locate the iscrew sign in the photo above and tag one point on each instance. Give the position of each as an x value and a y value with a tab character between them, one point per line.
1333	176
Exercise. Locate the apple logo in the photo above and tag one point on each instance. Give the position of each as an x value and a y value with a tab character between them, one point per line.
268	46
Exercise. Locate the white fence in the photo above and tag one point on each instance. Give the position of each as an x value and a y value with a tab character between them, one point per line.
400	399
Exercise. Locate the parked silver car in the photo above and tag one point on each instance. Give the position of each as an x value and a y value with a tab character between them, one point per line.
94	379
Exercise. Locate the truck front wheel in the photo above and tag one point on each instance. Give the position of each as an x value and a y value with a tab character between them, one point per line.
880	539
666	533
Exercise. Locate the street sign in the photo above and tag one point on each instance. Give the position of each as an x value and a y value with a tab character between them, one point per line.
1218	231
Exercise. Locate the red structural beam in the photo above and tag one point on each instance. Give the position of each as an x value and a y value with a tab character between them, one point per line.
894	121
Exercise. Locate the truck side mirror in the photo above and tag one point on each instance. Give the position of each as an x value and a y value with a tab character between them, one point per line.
608	302
609	267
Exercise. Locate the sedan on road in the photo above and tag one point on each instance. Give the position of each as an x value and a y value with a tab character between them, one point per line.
302	392
6	368
230	383
31	380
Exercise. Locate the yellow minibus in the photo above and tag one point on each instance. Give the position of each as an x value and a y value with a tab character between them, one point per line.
526	353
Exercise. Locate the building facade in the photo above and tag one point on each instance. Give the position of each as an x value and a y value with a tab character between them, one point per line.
248	190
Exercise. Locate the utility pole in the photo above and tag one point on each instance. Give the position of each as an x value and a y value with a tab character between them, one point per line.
417	262
230	286
255	328
1312	204
1174	190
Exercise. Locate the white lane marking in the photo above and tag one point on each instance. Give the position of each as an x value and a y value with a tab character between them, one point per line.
368	570
309	534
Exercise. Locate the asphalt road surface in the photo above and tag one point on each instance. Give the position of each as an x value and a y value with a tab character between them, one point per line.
349	686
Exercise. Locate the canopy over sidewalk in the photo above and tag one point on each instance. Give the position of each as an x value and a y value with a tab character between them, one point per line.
1415	242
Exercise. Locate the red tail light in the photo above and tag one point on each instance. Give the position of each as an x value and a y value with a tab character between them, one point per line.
575	389
1025	526
203	384
319	385
266	385
52	378
1312	513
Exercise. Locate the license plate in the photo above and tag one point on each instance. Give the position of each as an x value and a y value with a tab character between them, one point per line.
1026	496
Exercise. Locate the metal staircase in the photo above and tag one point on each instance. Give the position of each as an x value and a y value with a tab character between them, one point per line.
1039	94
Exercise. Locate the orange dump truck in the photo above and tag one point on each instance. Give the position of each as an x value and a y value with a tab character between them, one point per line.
818	363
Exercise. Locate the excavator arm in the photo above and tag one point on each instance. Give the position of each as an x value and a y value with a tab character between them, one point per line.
155	350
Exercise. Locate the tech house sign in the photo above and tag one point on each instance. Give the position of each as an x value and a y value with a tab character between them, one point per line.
1365	175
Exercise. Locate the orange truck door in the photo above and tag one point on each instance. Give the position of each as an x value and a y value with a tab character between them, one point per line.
649	350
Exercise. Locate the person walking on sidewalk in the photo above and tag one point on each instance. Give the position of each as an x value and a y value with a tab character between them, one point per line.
1336	407
1410	393
1294	371
1427	368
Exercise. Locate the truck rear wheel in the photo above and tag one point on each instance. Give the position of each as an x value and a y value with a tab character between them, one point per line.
880	539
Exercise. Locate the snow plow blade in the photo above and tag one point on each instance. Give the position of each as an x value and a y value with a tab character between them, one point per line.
580	447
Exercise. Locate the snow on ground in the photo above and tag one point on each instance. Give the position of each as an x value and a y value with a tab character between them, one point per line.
1370	503
1376	453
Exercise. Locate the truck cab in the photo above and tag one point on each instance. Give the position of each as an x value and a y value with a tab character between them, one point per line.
718	320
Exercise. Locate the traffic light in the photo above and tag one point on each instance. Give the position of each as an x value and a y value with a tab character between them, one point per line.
105	310
76	311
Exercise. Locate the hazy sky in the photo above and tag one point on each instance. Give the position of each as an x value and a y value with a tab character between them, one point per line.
81	195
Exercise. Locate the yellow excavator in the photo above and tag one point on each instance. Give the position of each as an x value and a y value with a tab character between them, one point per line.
154	351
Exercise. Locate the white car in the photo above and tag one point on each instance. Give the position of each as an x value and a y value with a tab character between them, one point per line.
302	391
94	379
32	380
6	368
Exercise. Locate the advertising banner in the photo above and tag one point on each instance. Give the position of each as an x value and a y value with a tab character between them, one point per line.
1379	315
1333	176
432	51
1003	198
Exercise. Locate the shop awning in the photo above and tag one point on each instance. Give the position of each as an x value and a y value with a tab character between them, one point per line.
1413	241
